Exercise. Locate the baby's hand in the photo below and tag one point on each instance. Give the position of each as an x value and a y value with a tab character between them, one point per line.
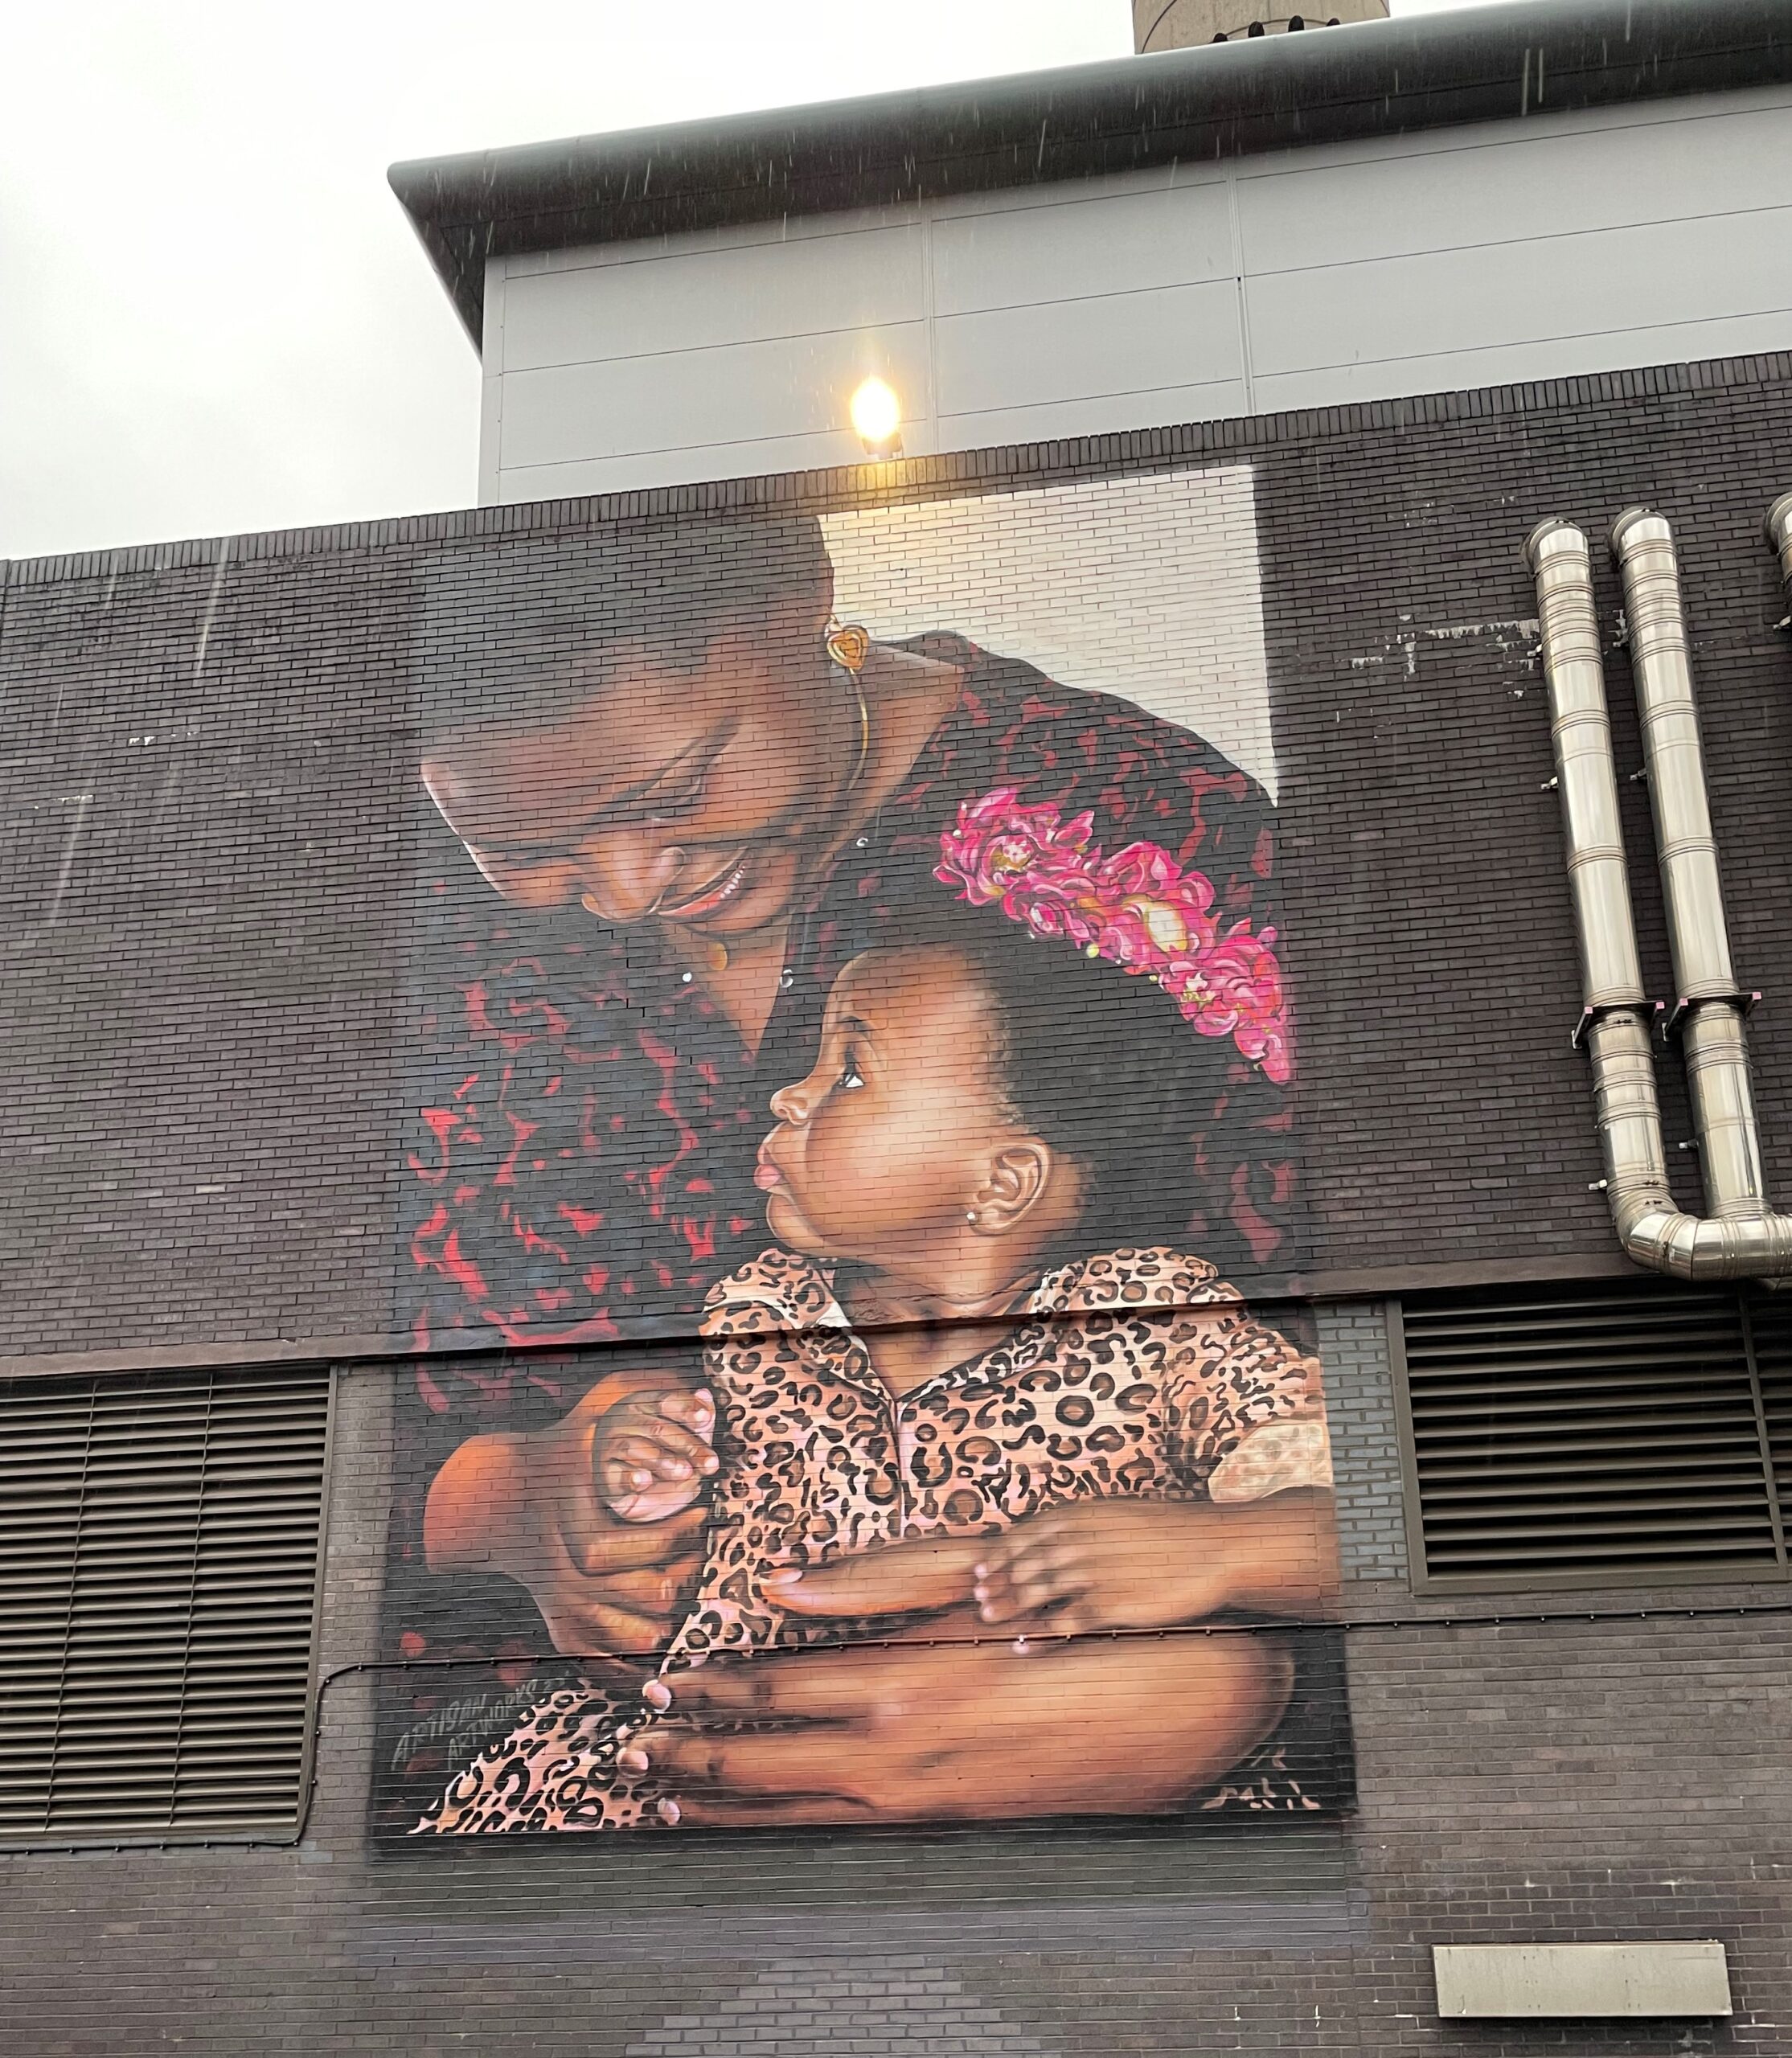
652	1453
1150	1564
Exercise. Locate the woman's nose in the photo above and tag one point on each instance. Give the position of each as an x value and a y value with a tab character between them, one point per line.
623	878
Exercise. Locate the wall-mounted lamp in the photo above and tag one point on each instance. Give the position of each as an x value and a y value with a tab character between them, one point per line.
877	419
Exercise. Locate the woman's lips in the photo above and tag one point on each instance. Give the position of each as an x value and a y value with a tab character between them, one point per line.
765	1174
716	895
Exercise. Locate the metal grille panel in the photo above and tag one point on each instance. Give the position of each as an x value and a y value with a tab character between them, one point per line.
159	1538
1586	1434
1770	1330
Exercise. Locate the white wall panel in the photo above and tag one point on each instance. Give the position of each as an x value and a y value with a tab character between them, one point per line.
679	467
791	386
1603	282
1079	248
1104	415
1454	258
1456	189
1077	350
491	385
749	293
1508	364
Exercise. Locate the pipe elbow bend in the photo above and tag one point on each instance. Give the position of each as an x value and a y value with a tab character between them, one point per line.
1703	1248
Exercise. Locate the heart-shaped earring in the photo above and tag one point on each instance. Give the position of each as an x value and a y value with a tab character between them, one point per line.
849	645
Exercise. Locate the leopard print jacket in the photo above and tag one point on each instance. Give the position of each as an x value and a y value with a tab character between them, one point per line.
1132	1375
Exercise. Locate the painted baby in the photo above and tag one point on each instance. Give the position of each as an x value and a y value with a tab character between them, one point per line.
976	1332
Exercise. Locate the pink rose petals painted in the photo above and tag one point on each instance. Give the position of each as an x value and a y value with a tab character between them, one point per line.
1137	908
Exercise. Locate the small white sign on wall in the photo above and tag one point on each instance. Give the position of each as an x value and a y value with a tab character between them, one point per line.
1585	1980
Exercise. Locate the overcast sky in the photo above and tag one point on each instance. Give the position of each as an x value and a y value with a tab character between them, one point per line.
213	316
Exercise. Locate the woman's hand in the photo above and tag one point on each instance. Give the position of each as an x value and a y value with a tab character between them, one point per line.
1091	1565
966	1730
1147	1564
530	1507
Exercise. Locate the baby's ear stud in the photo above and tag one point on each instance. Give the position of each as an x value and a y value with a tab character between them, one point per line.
970	1216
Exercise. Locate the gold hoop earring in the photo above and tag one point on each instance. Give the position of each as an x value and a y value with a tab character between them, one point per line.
849	645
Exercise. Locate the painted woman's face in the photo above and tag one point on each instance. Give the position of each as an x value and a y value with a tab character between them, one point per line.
692	800
879	1152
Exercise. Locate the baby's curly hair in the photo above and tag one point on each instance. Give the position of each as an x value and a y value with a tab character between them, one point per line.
1100	1064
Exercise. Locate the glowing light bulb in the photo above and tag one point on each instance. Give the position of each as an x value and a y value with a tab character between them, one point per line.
877	416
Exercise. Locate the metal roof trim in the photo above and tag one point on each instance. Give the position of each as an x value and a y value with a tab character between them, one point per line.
1124	114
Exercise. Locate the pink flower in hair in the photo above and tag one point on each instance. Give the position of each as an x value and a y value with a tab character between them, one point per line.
1000	845
1235	989
1139	908
1051	911
1142	868
1153	912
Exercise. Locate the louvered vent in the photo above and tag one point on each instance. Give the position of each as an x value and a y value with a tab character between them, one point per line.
159	1566
1770	1327
1585	1435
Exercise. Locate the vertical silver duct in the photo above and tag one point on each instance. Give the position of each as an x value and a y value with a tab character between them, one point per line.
1709	1009
1779	534
1740	1238
1616	1014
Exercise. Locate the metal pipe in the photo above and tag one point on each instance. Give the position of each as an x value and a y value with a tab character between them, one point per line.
1779	534
1710	1011
1740	1238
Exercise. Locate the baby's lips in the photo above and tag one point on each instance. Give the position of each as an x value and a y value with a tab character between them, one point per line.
767	1174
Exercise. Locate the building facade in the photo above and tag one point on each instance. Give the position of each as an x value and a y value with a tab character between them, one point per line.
816	1256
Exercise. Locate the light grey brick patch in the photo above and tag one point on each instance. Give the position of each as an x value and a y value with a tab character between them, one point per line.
889	2007
1359	1398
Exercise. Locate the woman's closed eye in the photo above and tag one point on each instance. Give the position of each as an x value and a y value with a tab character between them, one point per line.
654	810
680	790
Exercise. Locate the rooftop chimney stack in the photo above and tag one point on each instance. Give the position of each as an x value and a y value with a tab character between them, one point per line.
1176	24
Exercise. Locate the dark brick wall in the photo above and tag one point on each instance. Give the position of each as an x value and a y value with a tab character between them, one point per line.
1607	1773
207	763
210	824
202	997
1446	1114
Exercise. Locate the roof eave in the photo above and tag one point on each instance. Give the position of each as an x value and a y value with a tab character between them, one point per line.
1125	114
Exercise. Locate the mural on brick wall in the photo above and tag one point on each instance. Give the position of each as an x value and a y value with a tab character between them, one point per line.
853	1173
